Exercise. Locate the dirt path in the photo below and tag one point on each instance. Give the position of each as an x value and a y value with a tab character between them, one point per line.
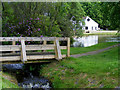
94	52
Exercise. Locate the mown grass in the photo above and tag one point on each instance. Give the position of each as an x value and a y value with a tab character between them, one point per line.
5	82
93	71
79	50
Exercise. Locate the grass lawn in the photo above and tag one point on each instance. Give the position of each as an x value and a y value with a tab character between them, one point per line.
93	71
7	81
79	50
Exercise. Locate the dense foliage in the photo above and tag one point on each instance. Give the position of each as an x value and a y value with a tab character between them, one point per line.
56	18
41	19
105	13
112	14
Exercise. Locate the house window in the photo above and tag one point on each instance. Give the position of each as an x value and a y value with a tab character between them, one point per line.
88	19
95	28
86	28
92	28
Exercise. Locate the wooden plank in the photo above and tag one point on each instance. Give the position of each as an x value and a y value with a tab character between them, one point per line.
68	47
28	47
10	58
35	57
40	47
63	47
23	51
10	48
57	50
29	57
28	53
13	43
32	38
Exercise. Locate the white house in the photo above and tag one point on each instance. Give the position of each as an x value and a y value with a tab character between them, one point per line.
89	24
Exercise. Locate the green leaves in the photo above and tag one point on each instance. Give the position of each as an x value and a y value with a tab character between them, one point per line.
54	17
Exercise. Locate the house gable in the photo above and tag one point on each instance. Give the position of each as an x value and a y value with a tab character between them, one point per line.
89	24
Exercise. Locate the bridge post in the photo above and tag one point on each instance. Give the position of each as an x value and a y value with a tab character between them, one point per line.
23	51
58	55
68	47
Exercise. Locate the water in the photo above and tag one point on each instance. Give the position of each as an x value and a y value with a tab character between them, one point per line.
90	40
27	78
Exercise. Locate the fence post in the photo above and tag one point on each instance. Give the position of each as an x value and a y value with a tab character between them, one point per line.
68	47
13	43
23	51
58	55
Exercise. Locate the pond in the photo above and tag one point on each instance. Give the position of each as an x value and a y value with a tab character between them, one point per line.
90	40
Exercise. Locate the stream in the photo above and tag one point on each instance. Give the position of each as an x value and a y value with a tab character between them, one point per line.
27	75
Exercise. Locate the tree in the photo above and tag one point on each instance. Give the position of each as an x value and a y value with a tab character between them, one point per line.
112	15
54	18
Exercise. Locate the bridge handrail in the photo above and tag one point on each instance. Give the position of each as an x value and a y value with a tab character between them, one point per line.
33	38
23	48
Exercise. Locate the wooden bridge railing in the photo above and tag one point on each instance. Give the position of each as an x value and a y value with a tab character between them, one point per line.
24	48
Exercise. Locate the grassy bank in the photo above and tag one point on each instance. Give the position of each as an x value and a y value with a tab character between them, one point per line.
79	50
93	71
8	81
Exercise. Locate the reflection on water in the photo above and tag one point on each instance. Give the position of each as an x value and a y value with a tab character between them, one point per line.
85	41
90	40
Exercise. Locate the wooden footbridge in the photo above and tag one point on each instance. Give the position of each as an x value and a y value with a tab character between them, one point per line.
40	52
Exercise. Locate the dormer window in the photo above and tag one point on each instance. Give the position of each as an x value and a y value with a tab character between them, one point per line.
88	19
